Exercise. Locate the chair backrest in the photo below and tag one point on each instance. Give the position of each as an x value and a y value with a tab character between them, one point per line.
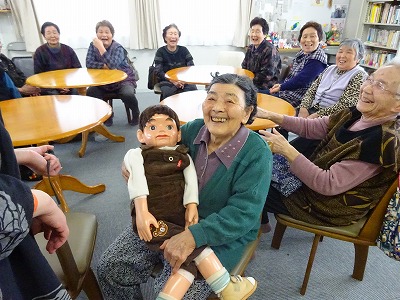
17	49
374	222
284	72
25	64
16	46
230	58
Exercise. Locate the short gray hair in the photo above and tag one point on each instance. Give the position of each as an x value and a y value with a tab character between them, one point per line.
355	44
105	23
396	63
245	84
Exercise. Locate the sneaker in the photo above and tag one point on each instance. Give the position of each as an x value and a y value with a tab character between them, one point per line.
239	288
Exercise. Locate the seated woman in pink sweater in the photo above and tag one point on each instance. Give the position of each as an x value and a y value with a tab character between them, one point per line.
353	165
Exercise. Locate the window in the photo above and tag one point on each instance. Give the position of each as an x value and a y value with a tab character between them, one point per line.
206	22
77	19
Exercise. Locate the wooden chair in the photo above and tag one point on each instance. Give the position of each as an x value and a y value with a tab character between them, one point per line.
362	234
72	262
73	259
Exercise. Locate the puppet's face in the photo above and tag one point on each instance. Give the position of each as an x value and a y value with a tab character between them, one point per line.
160	130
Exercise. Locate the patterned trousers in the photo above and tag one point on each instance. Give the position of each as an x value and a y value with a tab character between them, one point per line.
128	262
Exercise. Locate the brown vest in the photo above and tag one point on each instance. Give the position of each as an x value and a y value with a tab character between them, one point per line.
374	145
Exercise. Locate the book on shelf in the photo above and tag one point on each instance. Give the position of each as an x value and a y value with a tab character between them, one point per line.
385	12
376	58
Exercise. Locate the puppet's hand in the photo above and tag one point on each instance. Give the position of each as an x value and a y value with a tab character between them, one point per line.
143	221
191	215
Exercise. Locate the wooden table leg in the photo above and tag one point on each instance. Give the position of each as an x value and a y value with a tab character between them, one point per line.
69	183
101	129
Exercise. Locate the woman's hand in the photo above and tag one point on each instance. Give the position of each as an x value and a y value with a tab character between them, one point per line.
64	91
49	218
178	84
27	89
36	159
99	45
191	215
303	112
178	248
275	88
313	116
279	144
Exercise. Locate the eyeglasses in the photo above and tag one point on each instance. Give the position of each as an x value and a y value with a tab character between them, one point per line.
379	85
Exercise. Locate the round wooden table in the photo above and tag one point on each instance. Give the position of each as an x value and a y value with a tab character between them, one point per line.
80	78
38	120
202	74
75	78
188	106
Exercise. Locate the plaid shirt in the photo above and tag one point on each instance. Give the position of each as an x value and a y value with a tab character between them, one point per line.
114	58
301	75
265	62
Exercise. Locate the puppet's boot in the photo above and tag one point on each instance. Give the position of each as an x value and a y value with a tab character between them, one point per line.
239	288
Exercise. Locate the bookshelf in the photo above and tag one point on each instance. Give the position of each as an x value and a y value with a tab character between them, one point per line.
380	32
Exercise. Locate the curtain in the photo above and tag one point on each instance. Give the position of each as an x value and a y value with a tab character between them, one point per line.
26	23
145	26
240	36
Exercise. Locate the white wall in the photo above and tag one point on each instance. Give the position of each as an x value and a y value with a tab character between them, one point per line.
7	33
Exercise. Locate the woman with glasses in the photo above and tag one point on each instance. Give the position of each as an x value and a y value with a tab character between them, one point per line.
336	88
354	163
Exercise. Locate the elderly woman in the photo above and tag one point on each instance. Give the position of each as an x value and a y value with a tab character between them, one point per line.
308	63
54	56
355	162
170	57
262	58
23	213
105	53
230	162
339	85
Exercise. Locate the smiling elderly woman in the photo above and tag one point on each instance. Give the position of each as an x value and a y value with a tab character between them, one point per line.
233	166
105	53
353	165
308	63
169	57
339	85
